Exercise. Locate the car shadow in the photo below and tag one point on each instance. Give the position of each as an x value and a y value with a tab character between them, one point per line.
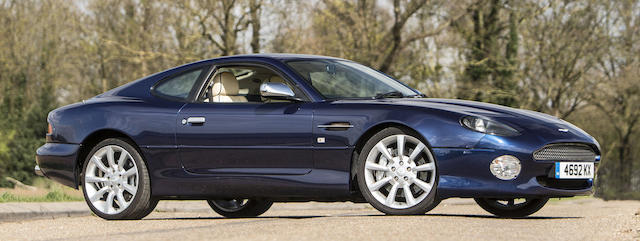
495	217
366	215
455	215
221	218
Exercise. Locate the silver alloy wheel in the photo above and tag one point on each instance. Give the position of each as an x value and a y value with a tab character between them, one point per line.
400	171
111	179
231	205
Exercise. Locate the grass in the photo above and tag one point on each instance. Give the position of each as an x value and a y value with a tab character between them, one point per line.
45	191
52	196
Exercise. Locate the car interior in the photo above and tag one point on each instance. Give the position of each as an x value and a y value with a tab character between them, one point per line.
240	84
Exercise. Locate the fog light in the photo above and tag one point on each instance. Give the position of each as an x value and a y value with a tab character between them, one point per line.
505	167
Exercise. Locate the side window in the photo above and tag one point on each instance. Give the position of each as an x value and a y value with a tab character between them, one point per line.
241	84
180	86
338	81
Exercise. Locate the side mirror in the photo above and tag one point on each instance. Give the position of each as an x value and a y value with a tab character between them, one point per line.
275	90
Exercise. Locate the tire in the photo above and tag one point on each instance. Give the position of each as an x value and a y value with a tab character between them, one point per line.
240	208
121	180
511	209
434	204
383	183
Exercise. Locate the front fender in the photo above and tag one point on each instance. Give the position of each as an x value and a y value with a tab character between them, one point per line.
440	128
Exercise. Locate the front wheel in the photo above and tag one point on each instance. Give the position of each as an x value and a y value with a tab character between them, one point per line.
240	208
115	181
396	173
511	208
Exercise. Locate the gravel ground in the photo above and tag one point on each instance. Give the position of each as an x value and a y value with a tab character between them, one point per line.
575	219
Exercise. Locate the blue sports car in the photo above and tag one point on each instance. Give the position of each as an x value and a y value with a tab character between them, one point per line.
245	131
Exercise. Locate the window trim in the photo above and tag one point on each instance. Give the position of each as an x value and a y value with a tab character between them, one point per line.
214	70
324	98
205	70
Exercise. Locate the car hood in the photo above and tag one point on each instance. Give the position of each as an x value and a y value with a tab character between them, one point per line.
545	126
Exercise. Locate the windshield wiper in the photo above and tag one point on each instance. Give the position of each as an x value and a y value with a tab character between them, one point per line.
417	96
392	94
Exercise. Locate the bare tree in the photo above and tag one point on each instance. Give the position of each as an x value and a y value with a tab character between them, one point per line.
36	61
359	31
220	21
560	49
255	10
491	32
618	90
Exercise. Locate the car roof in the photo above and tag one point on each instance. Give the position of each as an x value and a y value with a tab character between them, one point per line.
277	56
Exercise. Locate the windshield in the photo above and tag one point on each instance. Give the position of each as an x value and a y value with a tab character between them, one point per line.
339	79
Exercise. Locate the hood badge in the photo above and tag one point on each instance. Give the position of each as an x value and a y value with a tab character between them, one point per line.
563	130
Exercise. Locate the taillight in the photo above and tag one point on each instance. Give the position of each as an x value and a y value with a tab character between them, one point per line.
49	129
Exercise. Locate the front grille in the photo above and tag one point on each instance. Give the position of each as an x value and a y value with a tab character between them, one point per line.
565	152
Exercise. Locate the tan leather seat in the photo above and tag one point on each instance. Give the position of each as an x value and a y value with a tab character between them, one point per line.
277	79
225	88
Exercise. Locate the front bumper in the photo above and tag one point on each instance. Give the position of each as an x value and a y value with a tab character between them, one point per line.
58	161
465	173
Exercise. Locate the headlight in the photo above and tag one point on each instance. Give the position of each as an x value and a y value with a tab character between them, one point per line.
488	126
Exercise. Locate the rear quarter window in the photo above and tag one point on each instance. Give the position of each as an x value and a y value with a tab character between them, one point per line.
178	87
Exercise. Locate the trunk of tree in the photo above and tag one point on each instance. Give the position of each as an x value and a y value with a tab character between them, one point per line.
254	11
400	19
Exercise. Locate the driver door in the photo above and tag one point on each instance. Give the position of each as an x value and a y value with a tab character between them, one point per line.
231	131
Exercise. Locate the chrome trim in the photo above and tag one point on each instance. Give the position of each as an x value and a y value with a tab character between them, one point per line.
565	152
38	172
196	120
273	89
336	126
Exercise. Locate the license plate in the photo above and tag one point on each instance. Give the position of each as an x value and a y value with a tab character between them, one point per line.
574	170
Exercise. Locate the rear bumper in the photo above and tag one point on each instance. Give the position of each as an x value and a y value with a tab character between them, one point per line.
465	173
57	161
38	171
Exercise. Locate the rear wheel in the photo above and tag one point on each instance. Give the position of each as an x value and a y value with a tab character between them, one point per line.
511	208
115	181
240	208
396	173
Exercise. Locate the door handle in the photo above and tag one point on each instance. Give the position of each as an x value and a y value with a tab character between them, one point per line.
194	120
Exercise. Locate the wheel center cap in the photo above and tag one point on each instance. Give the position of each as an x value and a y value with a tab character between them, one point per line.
113	178
402	165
